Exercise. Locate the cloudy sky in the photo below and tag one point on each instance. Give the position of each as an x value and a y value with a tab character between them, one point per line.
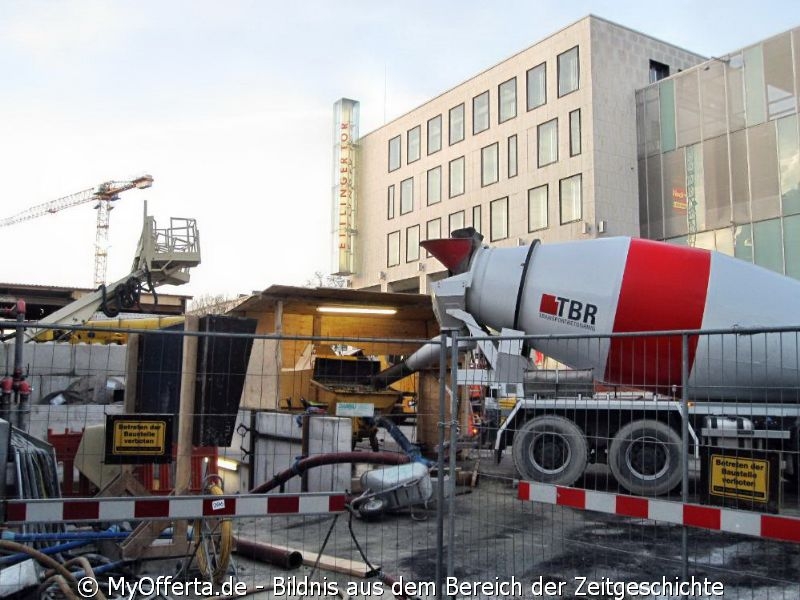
228	105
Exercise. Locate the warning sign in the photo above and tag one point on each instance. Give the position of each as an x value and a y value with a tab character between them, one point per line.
741	478
138	439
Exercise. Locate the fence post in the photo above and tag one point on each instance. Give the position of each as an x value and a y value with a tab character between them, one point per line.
451	468
440	466
685	450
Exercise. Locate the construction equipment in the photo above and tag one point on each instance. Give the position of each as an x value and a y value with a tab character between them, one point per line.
104	194
744	385
163	257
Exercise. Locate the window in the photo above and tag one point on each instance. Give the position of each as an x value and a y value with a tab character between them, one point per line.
537	86
412	144
658	71
456	177
537	208
570	199
412	243
393	249
456	221
476	218
480	113
575	132
507	100
489	165
755	100
512	156
433	231
548	142
434	185
666	100
568	72
789	164
390	203
406	195
498	219
435	134
456	124
394	153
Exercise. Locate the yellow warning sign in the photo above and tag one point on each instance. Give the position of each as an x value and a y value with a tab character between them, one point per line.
739	477
140	437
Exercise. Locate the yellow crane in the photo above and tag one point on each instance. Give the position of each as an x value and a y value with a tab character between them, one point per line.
104	194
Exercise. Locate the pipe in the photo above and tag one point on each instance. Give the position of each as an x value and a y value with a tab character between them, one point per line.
112	533
281	557
426	356
411	450
332	458
102	568
13	559
40	557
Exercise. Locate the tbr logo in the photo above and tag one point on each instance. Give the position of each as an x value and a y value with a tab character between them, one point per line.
568	312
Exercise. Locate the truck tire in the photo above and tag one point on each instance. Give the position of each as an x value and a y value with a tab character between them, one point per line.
550	449
645	457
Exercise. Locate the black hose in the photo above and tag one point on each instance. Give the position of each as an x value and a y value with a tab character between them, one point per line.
333	458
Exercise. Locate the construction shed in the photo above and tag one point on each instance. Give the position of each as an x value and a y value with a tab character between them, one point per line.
376	323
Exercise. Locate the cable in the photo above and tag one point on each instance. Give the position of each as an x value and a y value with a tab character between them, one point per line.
214	567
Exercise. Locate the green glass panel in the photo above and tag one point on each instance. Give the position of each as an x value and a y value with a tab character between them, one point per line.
789	164
755	100
767	245
791	245
743	243
667	106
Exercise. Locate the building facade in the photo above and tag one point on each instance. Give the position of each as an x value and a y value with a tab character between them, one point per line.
542	145
719	155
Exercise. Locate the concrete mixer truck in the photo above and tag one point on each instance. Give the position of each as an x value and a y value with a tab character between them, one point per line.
627	312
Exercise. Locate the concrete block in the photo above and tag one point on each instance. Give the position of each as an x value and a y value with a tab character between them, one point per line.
278	424
278	446
82	359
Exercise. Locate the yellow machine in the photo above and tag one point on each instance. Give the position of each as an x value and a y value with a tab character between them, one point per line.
102	336
348	379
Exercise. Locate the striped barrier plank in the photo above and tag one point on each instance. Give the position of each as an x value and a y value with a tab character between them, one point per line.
75	510
774	527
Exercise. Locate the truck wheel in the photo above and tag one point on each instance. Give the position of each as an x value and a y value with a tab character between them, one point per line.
645	457
550	449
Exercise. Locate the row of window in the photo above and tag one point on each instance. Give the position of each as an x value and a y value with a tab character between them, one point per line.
536	80
570	210
547	136
745	89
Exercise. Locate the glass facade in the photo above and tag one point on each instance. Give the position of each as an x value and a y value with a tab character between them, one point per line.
719	155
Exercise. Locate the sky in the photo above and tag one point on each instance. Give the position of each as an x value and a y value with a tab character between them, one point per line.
229	106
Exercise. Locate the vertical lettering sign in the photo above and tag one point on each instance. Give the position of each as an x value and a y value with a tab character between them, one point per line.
344	194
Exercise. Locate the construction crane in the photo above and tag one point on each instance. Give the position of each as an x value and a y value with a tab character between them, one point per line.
104	194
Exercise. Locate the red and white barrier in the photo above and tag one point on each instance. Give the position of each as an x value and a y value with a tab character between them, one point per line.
171	507
773	527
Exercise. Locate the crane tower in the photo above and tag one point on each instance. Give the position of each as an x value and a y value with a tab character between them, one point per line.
103	195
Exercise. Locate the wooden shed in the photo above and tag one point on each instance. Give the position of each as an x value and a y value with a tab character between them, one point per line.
377	323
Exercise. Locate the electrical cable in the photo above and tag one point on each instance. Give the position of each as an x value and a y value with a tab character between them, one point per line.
214	567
